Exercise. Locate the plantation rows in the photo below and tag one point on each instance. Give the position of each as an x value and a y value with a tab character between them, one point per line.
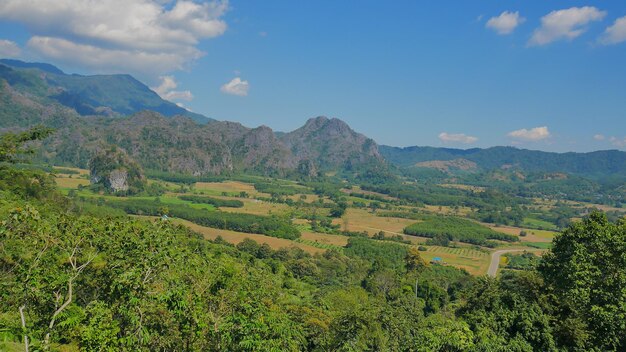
319	245
467	252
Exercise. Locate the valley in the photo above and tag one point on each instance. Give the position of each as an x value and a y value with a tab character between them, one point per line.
304	207
129	223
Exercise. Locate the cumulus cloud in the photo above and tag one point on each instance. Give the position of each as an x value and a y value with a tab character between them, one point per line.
533	134
9	48
618	142
236	87
505	23
616	33
599	137
565	24
457	138
167	90
145	36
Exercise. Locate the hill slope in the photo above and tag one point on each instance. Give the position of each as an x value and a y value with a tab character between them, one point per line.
102	95
597	165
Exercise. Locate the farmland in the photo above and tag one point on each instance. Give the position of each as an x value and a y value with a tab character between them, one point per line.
304	204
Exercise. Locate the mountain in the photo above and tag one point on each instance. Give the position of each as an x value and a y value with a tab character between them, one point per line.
332	143
595	165
93	112
98	95
181	145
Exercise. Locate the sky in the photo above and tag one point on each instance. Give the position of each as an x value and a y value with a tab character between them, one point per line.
548	75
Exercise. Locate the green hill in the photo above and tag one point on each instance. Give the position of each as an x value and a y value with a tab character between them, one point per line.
102	95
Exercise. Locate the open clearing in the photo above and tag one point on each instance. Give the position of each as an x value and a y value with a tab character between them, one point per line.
230	187
532	235
474	261
362	220
335	240
236	237
71	183
257	207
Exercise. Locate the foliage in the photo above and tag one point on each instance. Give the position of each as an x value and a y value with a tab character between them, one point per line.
12	145
456	229
524	261
229	203
113	169
586	271
271	226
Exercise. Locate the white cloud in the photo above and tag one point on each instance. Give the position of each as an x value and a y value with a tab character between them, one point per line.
615	33
599	137
167	90
145	36
565	24
505	23
533	134
9	49
457	138
618	142
236	87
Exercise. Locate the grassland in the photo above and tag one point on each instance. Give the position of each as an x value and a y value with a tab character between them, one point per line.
532	235
362	220
236	237
476	262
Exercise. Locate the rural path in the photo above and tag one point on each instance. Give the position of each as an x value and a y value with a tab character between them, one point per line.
495	260
375	229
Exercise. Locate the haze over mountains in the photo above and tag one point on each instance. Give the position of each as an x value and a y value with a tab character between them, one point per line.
92	111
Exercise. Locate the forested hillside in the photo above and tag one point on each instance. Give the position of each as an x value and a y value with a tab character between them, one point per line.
99	95
597	165
78	275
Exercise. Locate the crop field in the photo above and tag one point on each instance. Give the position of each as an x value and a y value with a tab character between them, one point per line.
362	220
474	261
463	187
334	240
320	245
355	219
236	237
536	223
257	207
357	189
447	210
532	235
70	183
59	171
230	187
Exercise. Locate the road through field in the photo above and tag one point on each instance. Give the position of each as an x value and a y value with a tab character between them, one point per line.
495	260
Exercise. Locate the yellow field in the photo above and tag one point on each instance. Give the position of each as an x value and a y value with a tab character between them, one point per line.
66	182
229	187
80	171
463	187
474	261
236	237
532	234
362	220
257	207
447	210
358	189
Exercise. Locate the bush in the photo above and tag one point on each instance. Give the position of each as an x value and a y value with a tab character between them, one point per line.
229	203
456	229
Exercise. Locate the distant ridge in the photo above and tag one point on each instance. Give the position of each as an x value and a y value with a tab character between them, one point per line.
39	65
94	95
598	164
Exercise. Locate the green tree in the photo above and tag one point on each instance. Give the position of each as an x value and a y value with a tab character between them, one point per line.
586	273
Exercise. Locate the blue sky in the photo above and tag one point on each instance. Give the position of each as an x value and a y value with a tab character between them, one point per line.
547	75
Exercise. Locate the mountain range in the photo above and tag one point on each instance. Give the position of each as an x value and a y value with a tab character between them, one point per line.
90	112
